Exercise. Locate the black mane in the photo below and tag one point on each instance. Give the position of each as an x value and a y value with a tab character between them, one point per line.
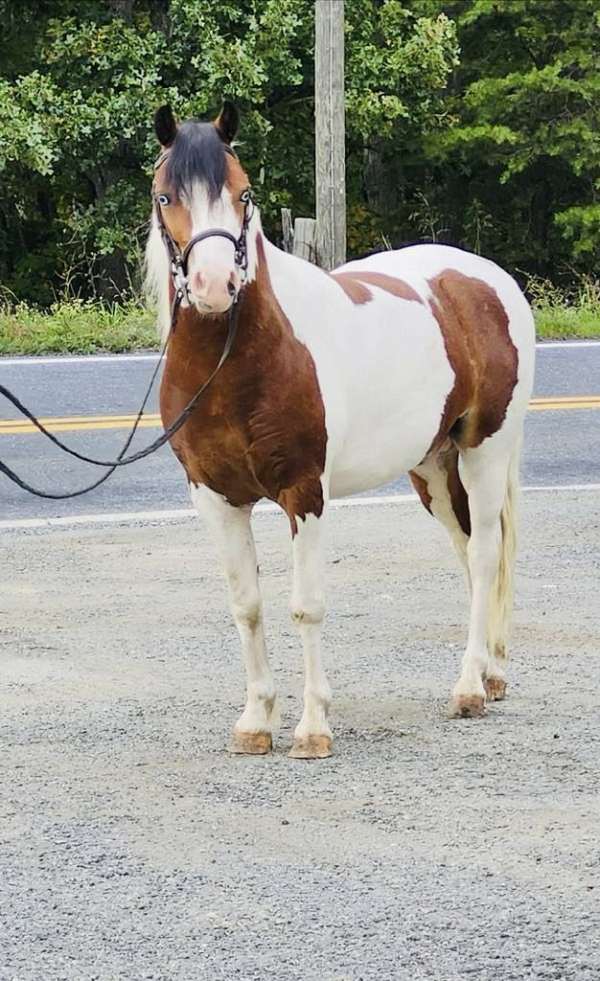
197	154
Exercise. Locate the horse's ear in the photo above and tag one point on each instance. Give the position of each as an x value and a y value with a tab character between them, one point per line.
227	122
165	126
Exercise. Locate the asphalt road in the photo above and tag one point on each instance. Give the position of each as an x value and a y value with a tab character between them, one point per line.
562	447
133	847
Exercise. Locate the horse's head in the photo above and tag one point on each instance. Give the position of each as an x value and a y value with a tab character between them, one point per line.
200	192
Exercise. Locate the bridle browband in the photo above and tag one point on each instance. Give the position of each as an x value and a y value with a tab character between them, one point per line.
180	260
179	267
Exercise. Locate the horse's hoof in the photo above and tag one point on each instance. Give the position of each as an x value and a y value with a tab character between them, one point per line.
495	689
311	748
467	707
251	743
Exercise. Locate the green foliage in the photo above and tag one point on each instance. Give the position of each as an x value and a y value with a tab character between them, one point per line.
561	312
471	121
580	225
76	326
80	83
87	327
397	66
526	134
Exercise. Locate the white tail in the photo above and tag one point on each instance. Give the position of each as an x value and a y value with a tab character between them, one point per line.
501	597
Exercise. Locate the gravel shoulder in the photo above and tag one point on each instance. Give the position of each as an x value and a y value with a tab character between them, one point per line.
132	846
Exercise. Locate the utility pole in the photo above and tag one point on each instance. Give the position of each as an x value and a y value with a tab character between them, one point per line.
330	133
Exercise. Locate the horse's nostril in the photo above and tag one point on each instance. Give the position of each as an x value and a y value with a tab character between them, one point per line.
231	287
198	282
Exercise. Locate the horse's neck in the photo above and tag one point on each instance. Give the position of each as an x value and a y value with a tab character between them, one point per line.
308	294
273	275
289	271
198	340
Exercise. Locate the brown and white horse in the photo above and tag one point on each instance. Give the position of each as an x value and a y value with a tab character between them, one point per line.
419	361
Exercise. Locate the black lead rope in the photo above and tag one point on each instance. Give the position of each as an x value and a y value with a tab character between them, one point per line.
123	460
179	267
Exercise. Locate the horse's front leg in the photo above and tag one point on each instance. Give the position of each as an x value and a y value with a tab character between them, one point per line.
312	737
232	532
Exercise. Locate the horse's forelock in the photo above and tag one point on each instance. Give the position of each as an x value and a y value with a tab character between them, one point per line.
197	154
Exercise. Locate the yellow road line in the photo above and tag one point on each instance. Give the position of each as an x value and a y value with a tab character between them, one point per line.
67	424
565	402
64	424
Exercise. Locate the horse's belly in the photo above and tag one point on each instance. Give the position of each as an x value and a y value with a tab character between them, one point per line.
379	449
393	395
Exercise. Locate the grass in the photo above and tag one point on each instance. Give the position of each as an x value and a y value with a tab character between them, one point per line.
561	313
562	323
75	326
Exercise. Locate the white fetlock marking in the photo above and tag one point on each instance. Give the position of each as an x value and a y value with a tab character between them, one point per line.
261	712
495	668
316	710
468	685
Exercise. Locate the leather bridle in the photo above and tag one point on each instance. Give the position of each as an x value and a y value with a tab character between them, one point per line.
179	260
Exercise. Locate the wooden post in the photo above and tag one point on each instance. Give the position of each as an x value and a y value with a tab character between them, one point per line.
286	228
304	238
330	133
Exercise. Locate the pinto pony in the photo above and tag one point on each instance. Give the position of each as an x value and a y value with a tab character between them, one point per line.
418	361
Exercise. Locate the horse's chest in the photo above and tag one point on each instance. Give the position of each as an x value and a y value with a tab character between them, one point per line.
246	443
214	447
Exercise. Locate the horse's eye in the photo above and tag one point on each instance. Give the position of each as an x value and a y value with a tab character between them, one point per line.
164	199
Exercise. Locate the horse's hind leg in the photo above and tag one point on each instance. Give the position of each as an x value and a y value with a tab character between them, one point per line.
234	539
488	472
440	488
500	609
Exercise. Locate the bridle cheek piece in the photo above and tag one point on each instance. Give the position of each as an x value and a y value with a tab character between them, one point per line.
180	260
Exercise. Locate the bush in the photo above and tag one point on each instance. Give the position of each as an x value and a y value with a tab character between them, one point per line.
76	326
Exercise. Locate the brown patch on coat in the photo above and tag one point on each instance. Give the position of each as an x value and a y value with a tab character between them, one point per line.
259	430
420	485
175	216
446	460
353	289
474	325
353	283
304	498
236	181
391	284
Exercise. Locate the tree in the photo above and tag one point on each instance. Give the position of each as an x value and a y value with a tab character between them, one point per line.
517	174
80	82
472	121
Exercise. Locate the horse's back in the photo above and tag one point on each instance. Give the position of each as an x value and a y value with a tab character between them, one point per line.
479	307
419	265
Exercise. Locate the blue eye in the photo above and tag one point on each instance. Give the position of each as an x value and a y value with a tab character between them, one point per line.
163	199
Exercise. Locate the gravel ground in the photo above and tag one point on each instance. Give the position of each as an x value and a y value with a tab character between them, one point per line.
132	846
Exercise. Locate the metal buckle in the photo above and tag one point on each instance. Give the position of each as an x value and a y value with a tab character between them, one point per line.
181	282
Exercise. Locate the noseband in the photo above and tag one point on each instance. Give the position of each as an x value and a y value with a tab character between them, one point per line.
179	260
